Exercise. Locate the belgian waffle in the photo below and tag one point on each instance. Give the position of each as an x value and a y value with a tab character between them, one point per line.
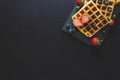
105	6
97	19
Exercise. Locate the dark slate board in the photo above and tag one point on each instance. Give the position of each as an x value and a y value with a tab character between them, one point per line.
77	34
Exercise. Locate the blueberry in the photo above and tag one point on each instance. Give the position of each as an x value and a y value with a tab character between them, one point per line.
110	9
73	29
67	25
93	25
70	30
100	1
104	32
106	2
88	28
94	0
114	16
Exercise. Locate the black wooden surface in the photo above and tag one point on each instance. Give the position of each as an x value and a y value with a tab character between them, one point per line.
33	46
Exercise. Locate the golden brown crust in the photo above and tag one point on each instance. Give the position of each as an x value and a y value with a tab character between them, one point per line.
117	2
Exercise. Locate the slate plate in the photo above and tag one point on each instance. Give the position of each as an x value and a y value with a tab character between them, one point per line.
69	29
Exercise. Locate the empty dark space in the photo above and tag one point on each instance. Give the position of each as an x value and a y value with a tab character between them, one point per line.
33	46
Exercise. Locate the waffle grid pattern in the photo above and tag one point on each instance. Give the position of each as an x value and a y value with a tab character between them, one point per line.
107	9
97	20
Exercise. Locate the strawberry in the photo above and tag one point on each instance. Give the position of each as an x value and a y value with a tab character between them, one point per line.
112	22
95	41
79	2
77	22
85	19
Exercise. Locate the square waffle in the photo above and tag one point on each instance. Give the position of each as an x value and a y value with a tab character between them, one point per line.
105	6
97	20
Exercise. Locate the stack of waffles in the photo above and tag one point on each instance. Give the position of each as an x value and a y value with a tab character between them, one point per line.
99	13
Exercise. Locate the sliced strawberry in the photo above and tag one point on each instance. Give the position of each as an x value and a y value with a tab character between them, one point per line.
85	19
77	22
